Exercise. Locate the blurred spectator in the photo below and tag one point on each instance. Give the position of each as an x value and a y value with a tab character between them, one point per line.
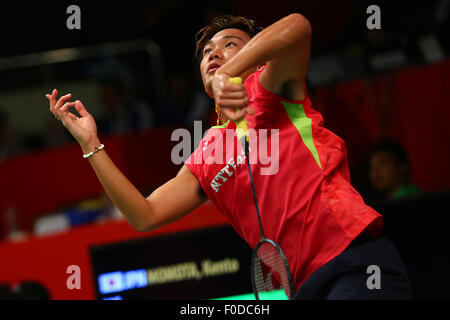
11	141
124	112
390	170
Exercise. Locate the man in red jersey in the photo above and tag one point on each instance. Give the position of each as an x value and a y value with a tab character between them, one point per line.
329	235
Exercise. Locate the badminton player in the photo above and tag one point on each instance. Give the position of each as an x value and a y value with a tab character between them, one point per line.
308	206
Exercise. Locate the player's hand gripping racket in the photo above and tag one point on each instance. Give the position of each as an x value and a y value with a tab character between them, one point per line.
241	125
269	268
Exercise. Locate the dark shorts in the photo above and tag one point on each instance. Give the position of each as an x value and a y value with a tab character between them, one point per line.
368	269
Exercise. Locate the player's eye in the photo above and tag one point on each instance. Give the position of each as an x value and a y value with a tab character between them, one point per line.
206	51
229	44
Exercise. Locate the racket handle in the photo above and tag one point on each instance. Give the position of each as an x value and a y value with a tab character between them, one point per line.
241	125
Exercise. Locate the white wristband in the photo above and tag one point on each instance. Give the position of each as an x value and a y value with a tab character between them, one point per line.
90	154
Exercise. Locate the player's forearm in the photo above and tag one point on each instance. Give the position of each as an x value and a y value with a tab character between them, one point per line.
270	43
120	190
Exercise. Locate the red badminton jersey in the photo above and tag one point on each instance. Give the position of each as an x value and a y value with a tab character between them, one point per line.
306	201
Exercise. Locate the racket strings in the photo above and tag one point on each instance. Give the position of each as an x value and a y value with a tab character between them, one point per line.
269	270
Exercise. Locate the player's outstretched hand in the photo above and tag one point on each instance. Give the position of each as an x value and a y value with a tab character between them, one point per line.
83	128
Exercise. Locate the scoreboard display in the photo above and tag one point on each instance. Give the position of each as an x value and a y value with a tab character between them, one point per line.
209	263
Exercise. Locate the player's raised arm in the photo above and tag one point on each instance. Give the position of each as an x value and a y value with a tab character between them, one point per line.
284	47
171	201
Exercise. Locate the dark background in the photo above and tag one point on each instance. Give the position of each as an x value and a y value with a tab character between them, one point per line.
361	102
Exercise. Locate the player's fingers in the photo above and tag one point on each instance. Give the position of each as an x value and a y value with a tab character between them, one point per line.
66	106
232	95
234	114
53	94
233	87
232	103
61	101
52	98
62	113
81	109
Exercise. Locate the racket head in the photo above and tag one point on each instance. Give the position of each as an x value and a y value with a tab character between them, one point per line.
270	270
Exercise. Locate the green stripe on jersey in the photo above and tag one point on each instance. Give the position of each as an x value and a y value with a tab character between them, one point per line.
222	126
303	124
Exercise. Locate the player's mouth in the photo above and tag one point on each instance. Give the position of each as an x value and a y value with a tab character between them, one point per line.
213	67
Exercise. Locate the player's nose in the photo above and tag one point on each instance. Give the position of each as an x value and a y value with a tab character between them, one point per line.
215	54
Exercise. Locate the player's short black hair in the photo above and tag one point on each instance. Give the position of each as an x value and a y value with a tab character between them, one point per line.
220	23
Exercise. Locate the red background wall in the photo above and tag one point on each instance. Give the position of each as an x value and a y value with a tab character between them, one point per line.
45	182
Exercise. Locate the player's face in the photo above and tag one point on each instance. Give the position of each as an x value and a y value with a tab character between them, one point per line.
221	48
